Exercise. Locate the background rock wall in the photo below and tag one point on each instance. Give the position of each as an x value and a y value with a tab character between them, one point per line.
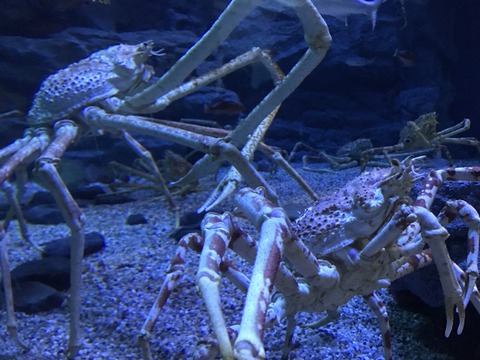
360	90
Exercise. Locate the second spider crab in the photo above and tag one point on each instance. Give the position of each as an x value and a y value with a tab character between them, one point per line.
347	156
350	243
421	136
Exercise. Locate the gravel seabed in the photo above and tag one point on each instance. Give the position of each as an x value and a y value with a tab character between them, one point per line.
120	284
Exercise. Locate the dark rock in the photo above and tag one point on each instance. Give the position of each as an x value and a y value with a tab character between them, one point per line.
265	166
112	199
359	90
32	297
53	271
47	214
136	219
181	231
41	198
191	218
423	284
189	223
94	242
87	192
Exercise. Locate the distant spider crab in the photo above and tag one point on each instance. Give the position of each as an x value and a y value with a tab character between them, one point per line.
421	136
350	243
347	156
109	89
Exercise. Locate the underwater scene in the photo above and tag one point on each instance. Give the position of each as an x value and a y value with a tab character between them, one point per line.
244	179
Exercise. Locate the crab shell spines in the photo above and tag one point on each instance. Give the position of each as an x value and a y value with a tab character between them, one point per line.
352	213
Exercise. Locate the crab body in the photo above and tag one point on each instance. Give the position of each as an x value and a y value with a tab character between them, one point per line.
119	70
355	148
352	214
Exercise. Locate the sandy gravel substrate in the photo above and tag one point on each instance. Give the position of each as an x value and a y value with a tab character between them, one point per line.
120	284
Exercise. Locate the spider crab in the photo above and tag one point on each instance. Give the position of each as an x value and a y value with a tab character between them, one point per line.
111	89
347	156
421	136
350	243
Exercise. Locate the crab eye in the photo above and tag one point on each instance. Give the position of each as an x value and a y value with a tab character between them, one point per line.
407	141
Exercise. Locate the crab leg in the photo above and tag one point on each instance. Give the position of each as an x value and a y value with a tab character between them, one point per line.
220	232
454	130
34	144
65	133
318	39
12	326
228	184
391	231
24	154
17	144
98	118
248	58
379	309
470	217
149	163
475	298
435	235
174	273
273	228
409	264
262	147
235	12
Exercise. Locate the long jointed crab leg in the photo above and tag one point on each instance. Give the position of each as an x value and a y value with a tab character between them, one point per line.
229	182
98	118
148	162
379	309
250	57
235	12
268	151
65	132
17	144
205	165
470	217
34	141
218	233
435	235
174	273
12	326
273	227
318	40
475	298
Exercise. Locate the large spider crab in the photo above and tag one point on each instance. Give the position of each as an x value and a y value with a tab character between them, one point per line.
107	92
353	242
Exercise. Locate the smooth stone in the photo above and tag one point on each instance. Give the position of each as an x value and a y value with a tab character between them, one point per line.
94	242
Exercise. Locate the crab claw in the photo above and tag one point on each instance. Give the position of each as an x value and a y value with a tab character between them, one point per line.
451	302
435	235
224	188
